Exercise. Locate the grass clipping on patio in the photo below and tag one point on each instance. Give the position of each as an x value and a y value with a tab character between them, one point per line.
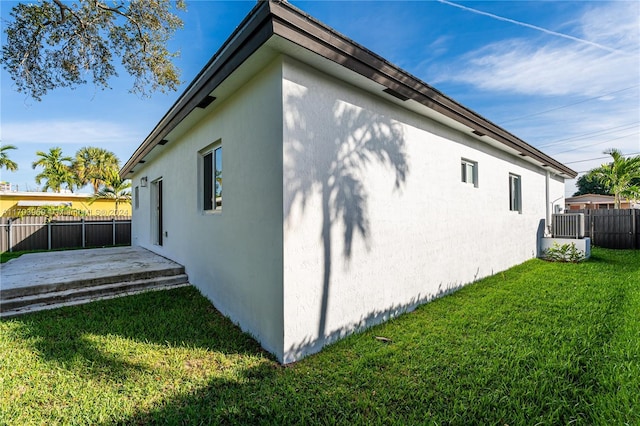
540	343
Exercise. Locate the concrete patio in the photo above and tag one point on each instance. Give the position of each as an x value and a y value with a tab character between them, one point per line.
48	280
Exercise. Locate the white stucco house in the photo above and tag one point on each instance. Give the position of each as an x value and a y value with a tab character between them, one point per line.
349	190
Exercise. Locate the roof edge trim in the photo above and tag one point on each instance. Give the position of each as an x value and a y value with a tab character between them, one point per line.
280	18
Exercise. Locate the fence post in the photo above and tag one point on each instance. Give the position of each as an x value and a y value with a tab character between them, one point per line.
114	230
9	236
634	228
49	235
83	233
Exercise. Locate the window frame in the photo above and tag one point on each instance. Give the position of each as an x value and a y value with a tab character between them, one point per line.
465	163
207	168
515	193
136	197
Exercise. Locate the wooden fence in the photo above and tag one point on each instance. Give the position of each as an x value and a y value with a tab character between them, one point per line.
36	233
618	229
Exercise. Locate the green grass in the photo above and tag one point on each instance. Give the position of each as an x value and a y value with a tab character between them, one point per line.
543	343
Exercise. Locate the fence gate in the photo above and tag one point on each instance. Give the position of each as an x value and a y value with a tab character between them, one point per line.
617	229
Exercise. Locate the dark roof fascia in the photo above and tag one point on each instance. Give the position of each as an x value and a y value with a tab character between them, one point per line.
304	30
254	30
281	18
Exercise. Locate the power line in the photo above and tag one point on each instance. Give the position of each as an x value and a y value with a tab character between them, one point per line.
597	143
598	158
598	133
568	105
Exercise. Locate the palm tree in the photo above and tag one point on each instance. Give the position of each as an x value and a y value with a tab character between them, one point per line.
115	189
4	158
56	170
620	177
92	164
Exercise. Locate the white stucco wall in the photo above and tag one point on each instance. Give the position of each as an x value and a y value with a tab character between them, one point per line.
340	209
233	257
411	242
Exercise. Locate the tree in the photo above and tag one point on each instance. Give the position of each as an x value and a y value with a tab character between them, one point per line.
588	185
620	177
56	43
4	158
56	170
94	165
115	189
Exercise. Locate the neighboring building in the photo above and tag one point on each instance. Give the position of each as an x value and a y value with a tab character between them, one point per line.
596	202
352	190
13	203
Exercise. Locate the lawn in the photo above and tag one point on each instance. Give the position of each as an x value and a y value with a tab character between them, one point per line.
542	343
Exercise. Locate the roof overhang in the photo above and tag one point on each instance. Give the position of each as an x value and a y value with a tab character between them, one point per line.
273	28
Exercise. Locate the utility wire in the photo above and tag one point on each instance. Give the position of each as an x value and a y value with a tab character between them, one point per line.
585	135
568	105
597	158
597	143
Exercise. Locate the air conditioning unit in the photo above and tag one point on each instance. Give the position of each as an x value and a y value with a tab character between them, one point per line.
568	225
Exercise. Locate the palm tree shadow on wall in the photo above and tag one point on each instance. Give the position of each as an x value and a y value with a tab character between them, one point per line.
330	160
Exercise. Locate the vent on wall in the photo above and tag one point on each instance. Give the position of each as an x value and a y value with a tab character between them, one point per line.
206	101
395	94
476	132
163	142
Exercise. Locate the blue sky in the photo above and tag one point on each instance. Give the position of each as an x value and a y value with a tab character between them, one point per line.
563	76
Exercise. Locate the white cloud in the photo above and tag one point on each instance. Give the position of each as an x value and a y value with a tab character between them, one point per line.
617	24
62	132
520	67
564	76
561	67
440	45
534	27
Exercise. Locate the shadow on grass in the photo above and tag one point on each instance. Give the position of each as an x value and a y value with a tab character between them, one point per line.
223	401
493	353
483	356
176	318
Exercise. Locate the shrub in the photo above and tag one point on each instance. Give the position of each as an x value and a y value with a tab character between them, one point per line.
564	253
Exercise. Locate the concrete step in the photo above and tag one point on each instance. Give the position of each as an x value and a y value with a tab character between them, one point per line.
50	298
83	281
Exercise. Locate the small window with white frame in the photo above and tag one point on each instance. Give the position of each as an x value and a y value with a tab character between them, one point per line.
469	172
211	177
136	197
515	193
